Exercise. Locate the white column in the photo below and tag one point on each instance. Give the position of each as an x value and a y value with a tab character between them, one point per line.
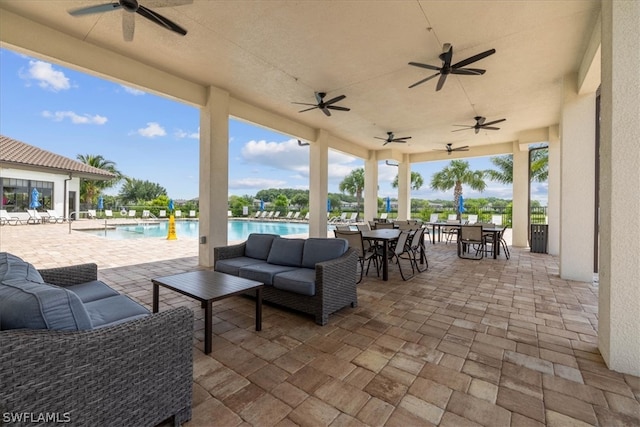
214	174
520	214
553	204
577	182
404	188
619	300
318	185
371	187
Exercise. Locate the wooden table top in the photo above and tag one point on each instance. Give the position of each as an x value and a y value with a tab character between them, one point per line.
207	285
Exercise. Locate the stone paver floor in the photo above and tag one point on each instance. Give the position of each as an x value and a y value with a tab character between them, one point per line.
467	343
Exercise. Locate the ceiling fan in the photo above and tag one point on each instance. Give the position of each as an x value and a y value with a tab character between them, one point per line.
447	68
391	138
449	148
129	9
480	124
323	105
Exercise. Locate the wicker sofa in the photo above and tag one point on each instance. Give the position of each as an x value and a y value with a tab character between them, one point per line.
132	372
315	276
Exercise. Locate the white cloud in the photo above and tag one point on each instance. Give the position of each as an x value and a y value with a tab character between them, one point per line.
152	130
253	183
76	119
181	134
46	76
133	91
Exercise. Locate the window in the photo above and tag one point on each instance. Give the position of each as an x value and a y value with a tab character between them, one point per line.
16	194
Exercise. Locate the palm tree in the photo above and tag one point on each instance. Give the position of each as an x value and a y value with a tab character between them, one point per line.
504	174
456	174
354	184
416	181
90	189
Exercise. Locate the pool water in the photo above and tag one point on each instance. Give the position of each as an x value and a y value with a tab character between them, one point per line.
237	230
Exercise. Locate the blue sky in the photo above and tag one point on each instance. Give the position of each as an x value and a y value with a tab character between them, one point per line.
156	139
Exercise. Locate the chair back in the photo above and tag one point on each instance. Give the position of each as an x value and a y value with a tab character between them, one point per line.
363	227
108	213
452	217
343	227
416	238
383	225
405	225
471	233
434	217
354	238
401	245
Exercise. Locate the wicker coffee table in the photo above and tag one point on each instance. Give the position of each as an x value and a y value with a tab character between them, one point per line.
208	286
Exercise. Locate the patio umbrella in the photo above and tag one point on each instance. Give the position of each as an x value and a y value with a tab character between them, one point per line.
34	204
461	204
261	204
388	204
328	205
100	203
171	204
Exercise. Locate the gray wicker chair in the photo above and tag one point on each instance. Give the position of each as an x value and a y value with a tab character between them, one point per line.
134	373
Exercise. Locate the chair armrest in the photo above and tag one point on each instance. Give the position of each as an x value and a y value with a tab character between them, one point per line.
231	251
71	275
135	373
337	276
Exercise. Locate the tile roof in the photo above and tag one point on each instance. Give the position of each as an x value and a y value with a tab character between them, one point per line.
17	154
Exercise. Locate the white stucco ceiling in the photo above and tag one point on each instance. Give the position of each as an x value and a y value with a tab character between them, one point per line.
271	53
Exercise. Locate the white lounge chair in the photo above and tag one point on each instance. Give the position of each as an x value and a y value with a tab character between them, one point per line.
496	219
178	213
91	213
384	215
289	216
146	214
5	218
34	217
108	213
472	219
257	214
434	217
192	214
353	218
131	214
296	216
53	216
162	213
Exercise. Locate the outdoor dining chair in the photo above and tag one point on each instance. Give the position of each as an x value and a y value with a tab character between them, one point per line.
500	241
471	239
354	238
402	252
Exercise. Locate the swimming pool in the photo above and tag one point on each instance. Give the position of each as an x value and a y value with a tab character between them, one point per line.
237	230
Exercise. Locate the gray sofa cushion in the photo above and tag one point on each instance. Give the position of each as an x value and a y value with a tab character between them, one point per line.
319	250
24	304
113	310
13	267
286	252
233	265
92	291
258	245
301	281
263	272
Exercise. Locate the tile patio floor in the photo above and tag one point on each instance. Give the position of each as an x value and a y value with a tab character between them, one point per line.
467	343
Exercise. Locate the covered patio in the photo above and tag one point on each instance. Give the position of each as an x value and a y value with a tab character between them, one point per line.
519	335
491	343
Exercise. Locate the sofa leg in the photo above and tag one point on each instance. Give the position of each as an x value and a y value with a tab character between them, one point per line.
322	319
181	417
354	304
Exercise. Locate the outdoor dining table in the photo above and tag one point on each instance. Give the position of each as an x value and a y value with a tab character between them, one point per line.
438	224
386	236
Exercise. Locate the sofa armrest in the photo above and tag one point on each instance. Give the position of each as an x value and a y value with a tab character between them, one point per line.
337	276
227	252
133	373
71	275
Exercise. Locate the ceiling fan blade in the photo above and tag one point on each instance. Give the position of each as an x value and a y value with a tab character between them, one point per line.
107	7
427	66
337	107
167	3
463	148
128	25
473	58
466	128
398	141
424	80
326	111
401	139
490	127
161	20
303	103
480	120
382	139
441	81
308	109
334	100
494	122
468	71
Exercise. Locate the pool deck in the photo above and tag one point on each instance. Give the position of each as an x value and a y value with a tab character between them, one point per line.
466	343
